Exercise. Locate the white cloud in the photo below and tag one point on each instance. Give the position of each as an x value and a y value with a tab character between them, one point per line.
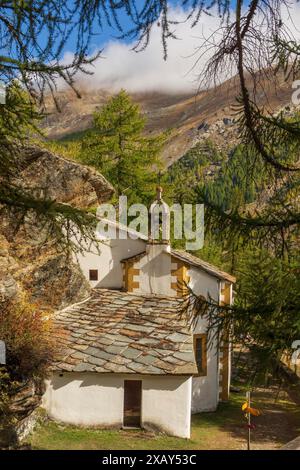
121	67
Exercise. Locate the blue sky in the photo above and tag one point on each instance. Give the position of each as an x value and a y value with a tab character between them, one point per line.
121	67
108	33
147	70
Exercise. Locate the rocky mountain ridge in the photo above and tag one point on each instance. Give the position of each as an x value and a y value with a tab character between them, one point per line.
191	118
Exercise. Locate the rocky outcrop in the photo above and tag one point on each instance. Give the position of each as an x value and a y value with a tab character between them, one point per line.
29	262
292	445
55	281
32	266
67	181
23	407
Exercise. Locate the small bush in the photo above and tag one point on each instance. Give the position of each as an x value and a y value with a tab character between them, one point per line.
27	333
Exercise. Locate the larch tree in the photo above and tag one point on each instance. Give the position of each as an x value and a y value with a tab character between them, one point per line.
118	147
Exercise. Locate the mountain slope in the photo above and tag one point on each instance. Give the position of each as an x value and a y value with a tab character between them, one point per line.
189	116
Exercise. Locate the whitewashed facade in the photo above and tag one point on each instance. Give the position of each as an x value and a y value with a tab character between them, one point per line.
89	399
89	396
155	277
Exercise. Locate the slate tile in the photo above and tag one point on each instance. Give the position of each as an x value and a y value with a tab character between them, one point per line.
147	360
120	360
148	341
114	349
177	337
83	367
131	353
66	367
98	353
130	333
153	370
100	369
96	360
79	355
136	367
79	347
105	341
140	328
127	333
185	356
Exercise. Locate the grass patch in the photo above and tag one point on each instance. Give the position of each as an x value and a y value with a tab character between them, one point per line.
223	429
206	429
75	136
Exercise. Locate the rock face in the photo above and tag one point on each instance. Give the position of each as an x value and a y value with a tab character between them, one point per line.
56	281
24	403
63	180
28	263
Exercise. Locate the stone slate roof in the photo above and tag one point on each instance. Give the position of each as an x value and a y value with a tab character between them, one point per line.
192	261
121	332
199	263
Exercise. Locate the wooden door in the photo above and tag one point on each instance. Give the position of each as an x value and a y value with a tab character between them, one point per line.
132	403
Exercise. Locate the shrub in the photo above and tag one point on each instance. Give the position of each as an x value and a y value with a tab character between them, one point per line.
27	333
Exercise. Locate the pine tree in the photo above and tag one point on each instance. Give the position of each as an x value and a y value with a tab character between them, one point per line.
118	148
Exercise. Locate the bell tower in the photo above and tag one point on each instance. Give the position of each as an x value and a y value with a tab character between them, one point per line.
159	220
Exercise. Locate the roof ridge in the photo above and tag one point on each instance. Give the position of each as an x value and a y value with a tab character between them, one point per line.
188	257
136	294
124	227
211	268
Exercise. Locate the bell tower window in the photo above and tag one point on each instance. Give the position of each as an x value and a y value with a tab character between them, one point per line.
93	274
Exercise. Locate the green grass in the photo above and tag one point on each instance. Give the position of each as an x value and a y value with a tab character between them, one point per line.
207	430
223	429
74	136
